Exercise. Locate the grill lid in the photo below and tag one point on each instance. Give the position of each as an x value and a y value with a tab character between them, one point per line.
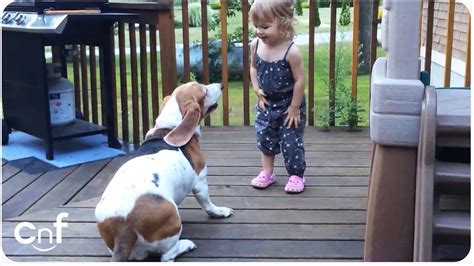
41	5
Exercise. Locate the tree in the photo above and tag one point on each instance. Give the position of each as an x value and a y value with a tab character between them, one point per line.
345	18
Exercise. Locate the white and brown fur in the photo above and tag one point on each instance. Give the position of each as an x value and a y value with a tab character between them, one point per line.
138	212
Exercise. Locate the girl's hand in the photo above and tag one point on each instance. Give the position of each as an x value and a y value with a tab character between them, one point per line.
292	116
261	99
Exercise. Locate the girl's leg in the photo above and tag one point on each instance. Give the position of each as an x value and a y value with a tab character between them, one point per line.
294	155
267	162
268	143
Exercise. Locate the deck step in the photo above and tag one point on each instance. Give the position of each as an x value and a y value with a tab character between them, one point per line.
452	178
452	226
453	140
453	118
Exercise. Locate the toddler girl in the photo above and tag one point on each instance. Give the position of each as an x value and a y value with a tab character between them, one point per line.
277	76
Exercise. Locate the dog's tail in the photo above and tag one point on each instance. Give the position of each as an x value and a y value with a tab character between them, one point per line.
124	243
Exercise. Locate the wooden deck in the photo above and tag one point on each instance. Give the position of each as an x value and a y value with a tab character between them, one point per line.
325	223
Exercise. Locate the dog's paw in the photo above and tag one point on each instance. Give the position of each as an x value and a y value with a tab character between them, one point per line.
181	247
221	212
186	245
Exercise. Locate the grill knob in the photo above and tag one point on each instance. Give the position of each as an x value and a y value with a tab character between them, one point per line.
19	19
7	18
16	15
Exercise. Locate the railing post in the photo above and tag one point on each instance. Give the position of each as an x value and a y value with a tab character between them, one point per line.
467	71
167	48
205	49
245	61
312	25
224	61
429	35
449	43
332	64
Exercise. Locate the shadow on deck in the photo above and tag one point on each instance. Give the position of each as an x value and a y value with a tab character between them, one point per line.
325	223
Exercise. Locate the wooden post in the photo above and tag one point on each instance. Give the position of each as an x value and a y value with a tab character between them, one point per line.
449	43
205	50
312	24
429	36
224	67
332	64
123	81
186	59
155	103
245	60
144	80
467	73
134	82
167	49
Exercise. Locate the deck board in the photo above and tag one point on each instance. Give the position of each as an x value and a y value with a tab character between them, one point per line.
95	187
325	223
16	184
64	191
35	191
8	171
223	231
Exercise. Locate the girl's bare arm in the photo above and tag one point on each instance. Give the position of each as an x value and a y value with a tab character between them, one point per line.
297	69
253	77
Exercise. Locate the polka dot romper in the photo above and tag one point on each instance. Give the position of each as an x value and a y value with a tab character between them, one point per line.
276	81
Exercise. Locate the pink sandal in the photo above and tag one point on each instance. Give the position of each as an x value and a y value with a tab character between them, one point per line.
263	180
295	184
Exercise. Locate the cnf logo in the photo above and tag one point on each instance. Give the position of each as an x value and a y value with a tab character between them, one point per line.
38	238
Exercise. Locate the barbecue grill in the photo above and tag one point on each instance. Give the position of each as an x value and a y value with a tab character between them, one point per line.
28	27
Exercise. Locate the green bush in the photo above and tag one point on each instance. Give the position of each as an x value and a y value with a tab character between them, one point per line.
194	14
298	8
323	115
327	3
178	24
177	2
318	19
347	108
215	5
324	3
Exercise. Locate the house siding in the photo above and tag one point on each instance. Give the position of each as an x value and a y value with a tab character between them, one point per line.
461	24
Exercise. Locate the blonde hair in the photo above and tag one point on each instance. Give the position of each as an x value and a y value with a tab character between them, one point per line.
280	11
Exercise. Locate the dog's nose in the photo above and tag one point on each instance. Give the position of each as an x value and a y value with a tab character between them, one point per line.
215	86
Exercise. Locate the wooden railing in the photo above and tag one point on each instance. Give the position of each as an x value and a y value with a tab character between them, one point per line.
136	46
138	94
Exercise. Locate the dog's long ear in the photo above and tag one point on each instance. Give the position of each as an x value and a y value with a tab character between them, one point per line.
183	132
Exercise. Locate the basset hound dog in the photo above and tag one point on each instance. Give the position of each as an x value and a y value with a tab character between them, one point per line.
138	212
